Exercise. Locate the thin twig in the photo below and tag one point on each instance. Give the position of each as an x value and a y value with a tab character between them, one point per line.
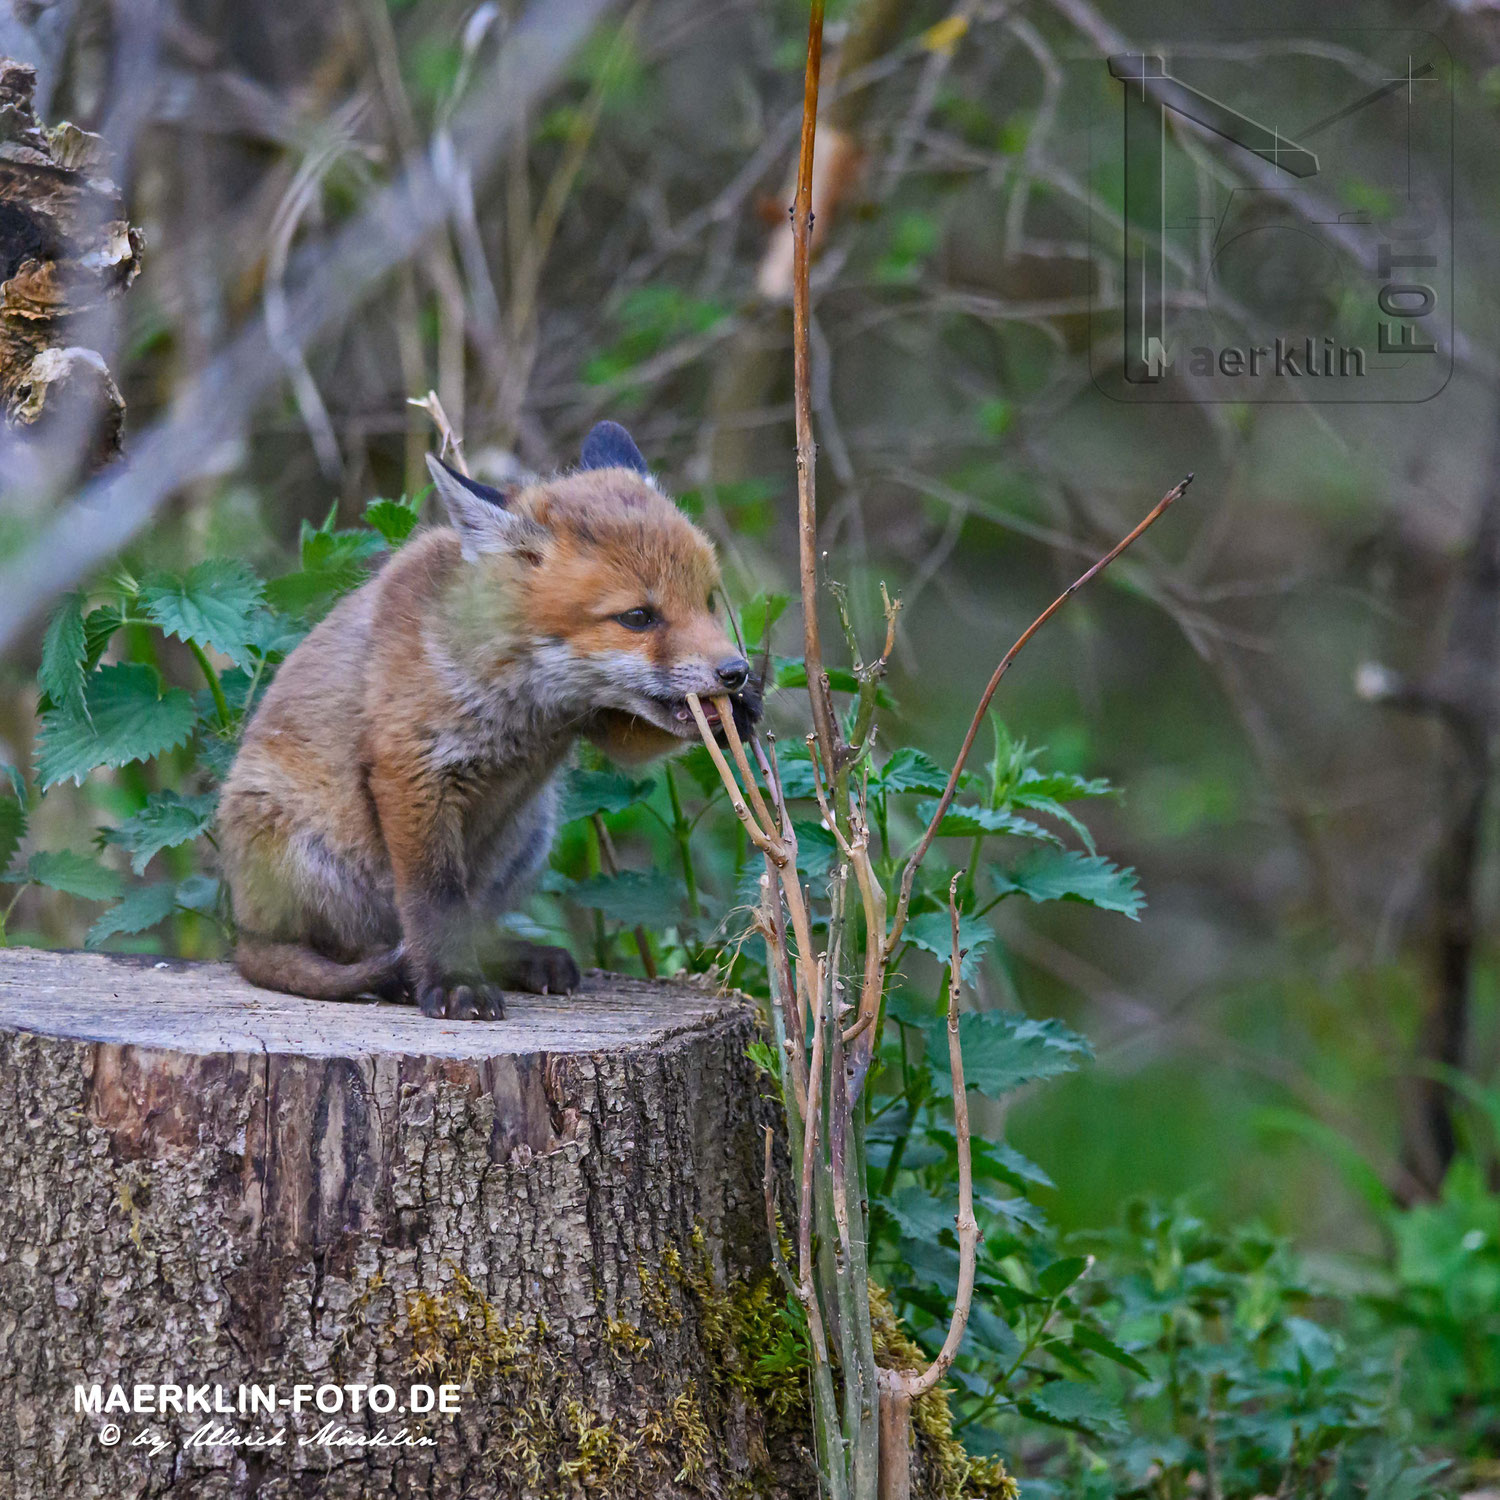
914	862
767	843
968	1226
449	441
818	691
778	1260
737	749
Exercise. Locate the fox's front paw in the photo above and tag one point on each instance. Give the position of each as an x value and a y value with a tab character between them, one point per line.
540	968
457	1000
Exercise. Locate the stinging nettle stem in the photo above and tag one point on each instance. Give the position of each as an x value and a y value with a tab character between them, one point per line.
968	1226
825	721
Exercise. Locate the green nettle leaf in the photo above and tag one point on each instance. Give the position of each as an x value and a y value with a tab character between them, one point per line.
1003	1049
1016	1211
212	605
12	830
312	593
1052	876
1062	786
631	897
141	910
909	770
1071	1403
74	875
272	634
747	883
129	718
969	820
994	1160
333	563
324	547
1032	802
1061	1274
932	931
920	1214
797	779
199	893
759	615
166	821
699	764
791	672
588	792
395	520
64	648
990	1332
1086	1337
99	626
817	849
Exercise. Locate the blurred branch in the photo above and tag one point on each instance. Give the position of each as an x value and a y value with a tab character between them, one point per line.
1461	693
217	406
67	253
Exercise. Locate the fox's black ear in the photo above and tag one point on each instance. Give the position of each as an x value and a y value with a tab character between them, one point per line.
485	492
479	513
609	446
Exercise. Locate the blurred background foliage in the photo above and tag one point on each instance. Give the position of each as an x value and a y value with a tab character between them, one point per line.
1274	1040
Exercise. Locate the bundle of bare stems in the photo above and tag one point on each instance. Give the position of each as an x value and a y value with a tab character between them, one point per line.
827	1043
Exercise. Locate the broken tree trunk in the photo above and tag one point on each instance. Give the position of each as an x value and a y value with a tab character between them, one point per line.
207	1185
66	250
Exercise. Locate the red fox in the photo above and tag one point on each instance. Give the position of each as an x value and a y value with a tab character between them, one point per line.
395	789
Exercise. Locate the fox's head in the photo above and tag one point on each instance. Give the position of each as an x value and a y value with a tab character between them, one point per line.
600	593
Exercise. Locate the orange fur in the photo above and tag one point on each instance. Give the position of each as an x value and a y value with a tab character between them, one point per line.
394	788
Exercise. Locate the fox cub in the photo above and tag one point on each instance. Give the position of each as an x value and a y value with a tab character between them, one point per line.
395	790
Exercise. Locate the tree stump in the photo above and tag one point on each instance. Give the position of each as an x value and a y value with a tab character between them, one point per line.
209	1186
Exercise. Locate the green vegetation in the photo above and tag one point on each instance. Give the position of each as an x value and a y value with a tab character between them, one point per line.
1154	1358
1252	1248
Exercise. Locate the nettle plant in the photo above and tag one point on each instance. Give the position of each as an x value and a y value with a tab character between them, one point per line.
836	999
667	866
107	703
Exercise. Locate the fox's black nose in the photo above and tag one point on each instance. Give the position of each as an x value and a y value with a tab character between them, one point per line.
734	673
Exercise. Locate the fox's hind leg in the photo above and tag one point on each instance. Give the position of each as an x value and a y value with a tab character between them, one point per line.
310	923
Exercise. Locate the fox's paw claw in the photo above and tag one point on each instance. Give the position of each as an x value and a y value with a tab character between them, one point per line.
544	970
462	1002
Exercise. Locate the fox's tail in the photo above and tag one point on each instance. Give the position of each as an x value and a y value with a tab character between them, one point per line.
296	969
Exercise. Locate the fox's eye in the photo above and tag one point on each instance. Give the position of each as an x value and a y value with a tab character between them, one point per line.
642	617
713	601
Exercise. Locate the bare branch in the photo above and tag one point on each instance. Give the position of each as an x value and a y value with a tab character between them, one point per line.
216	408
914	862
821	696
737	749
968	1226
778	1260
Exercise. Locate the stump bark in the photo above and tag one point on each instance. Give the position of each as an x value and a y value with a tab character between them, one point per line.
207	1185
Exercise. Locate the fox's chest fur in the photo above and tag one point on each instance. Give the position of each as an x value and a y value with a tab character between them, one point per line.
395	790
